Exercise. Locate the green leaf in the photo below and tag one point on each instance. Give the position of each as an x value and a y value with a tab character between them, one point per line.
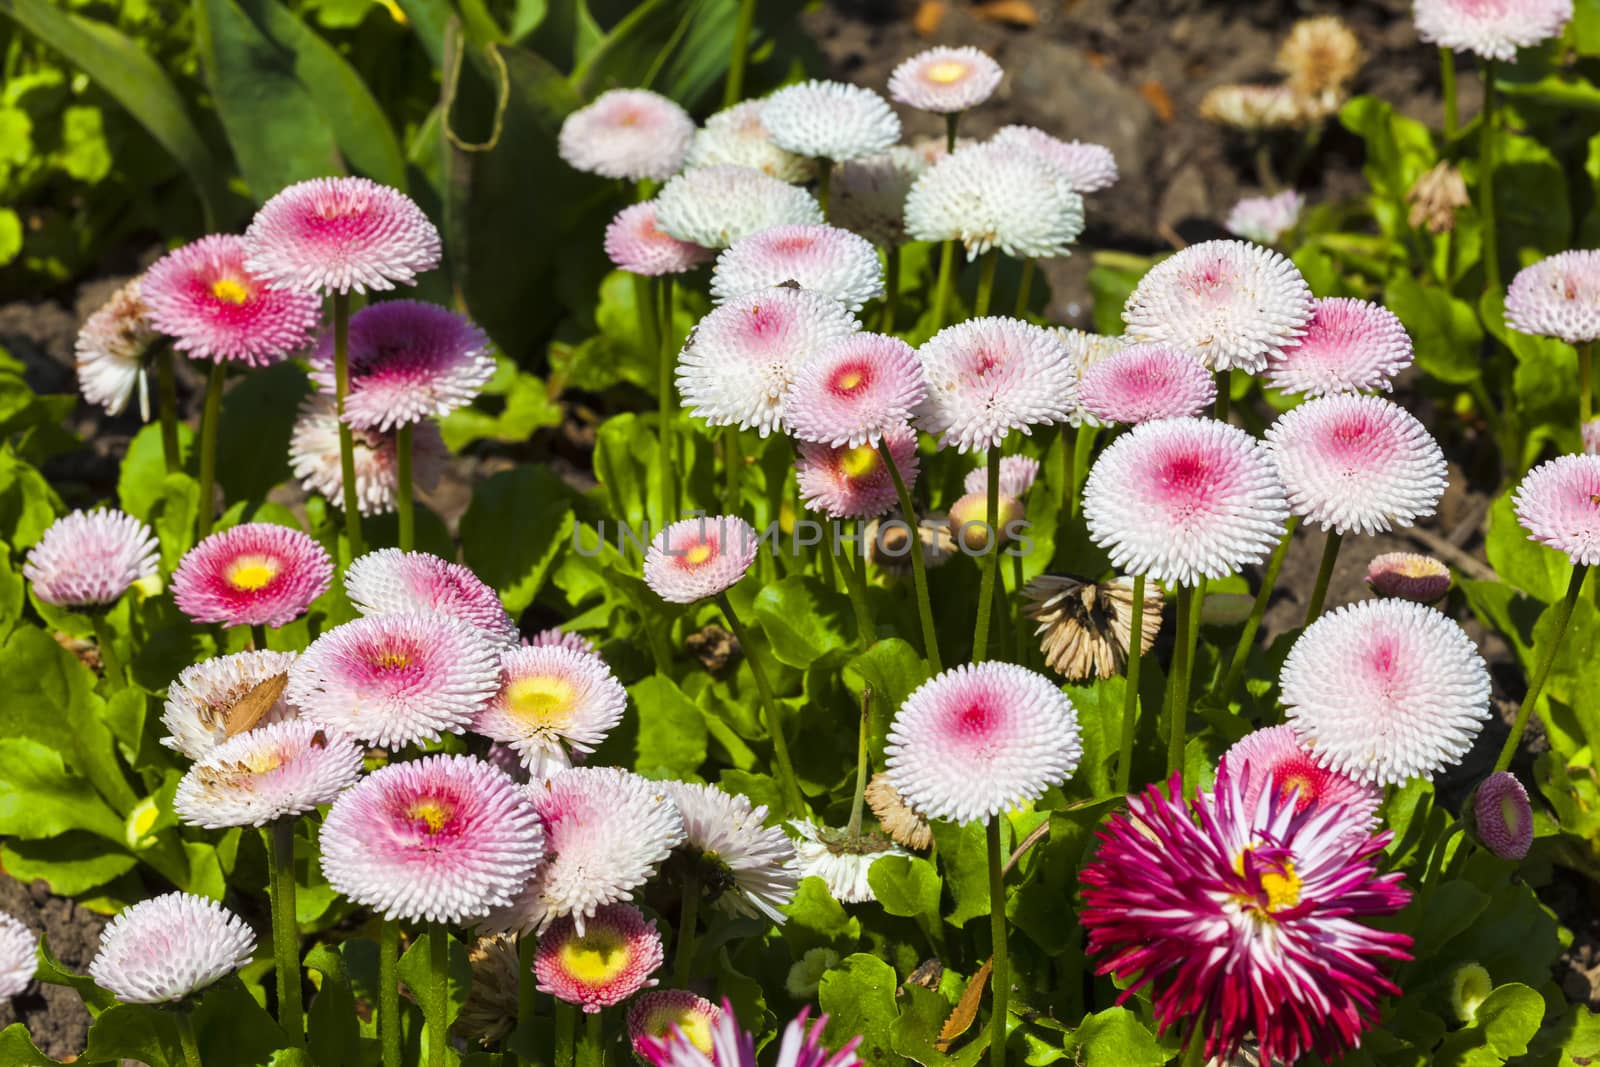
804	620
334	1031
625	465
17	1048
1445	330
964	856
892	668
71	863
1510	1018
11	593
517	525
528	408
1116	1038
858	998
258	415
133	1032
231	1027
1531	197
141	478
28	504
10	248
40	798
816	920
415	972
906	885
672	731
52	972
1535	569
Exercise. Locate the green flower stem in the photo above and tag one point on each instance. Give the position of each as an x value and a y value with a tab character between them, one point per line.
438	993
285	931
863	760
1224	394
919	567
592	1049
951	121
389	991
258	637
1082	449
1541	673
405	504
186	1038
1130	695
527	985
824	183
1486	165
1194	1052
644	309
1447	86
1585	383
1176	737
110	662
210	419
167	404
688	924
941	289
347	442
891	286
1000	976
853	567
664	399
732	461
733	88
1025	287
787	782
991	560
1019	639
986	272
1319	592
1269	581
566	1029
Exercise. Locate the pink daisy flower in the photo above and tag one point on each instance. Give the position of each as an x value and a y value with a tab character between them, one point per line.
1349	346
636	244
1227	303
1501	816
206	703
1357	463
255	574
395	680
697	558
1248	919
334	235
19	959
552	700
1146	382
945	80
1272	758
823	259
1266	219
392	582
854	390
1493	29
988	377
996	196
214	307
1385	690
556	637
981	739
161	950
1088	168
283	768
853	482
110	349
610	961
715	206
632	134
1559	297
88	559
731	1047
314	458
1558	503
408	360
1017	475
1408	576
1182	499
662	1014
441	838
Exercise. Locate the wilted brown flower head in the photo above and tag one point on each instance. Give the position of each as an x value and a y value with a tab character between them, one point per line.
490	1012
904	826
888	542
1435	197
1320	57
1085	627
1256	107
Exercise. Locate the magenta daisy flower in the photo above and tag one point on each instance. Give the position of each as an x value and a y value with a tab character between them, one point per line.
395	680
334	235
1017	475
830	120
255	574
1088	168
408	360
636	244
1501	816
110	349
945	80
19	956
1227	303
853	482
731	1047
392	582
214	307
1559	297
1246	919
552	701
610	961
441	838
632	134
160	950
283	768
206	703
697	558
1385	690
1408	576
314	458
715	206
662	1013
1558	503
1183	499
823	259
987	377
1349	346
981	739
1146	382
1273	759
1493	29
88	559
854	390
1266	219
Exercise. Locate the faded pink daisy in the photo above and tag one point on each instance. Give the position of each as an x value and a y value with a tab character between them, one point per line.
441	838
1349	346
823	259
1357	463
19	955
160	950
1146	382
735	136
110	349
697	558
1558	503
1273	758
392	582
945	80
1559	297
255	574
610	961
1493	29
214	307
632	134
1183	499
1408	576
731	1047
853	482
981	739
204	706
996	196
1501	817
283	768
987	377
88	559
830	120
408	361
552	701
1246	919
314	458
854	390
1088	168
335	235
715	206
395	680
662	1013
1266	219
636	244
1017	475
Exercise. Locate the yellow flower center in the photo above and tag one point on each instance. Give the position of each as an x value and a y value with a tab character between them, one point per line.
698	554
252	572
229	291
1282	885
695	1026
597	957
263	762
858	461
947	73
849	380
540	700
391	659
431	812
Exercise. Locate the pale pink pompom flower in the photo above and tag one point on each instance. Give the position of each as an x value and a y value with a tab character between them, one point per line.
19	956
552	701
314	458
1087	167
987	377
1274	758
337	235
1017	475
1142	383
1559	297
1349	346
610	961
632	134
1493	29
830	120
697	558
635	243
88	559
1558	503
391	582
715	206
945	80
823	259
1408	576
255	574
854	390
853	481
1266	219
273	771
161	950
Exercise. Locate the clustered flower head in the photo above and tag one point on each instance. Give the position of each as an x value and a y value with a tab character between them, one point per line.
996	196
1348	346
1558	503
715	206
987	377
161	950
1435	197
216	307
255	574
110	350
830	121
868	195
736	136
1142	383
1087	167
631	134
1559	297
314	457
1266	219
338	235
1408	576
88	559
283	768
219	698
607	961
698	558
854	390
19	954
552	702
823	259
853	481
635	243
1501	816
1320	58
945	80
392	582
1492	29
1254	108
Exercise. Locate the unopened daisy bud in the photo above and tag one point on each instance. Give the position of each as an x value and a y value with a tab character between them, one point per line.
1501	816
552	702
19	956
391	582
970	527
823	259
1321	55
277	770
88	559
868	195
1086	628
1017	475
314	458
698	558
987	377
636	244
661	1013
1470	986
945	80
161	950
1088	168
746	867
715	206
632	134
889	542
735	136
490	1011
1435	197
1142	383
1273	760
830	120
1492	31
223	697
1349	346
841	862
1559	297
1408	576
255	574
854	482
996	196
1558	503
337	235
110	350
1254	108
1266	219
904	825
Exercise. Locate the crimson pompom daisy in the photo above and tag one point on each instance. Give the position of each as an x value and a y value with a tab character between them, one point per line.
636	244
1559	296
216	308
1182	499
945	80
1146	382
1558	503
1245	921
1227	303
395	680
631	134
1266	219
854	482
441	838
609	961
746	867
1493	29
1409	576
663	1013
854	390
1357	463
206	704
255	574
830	120
738	365
160	950
1088	168
987	377
1385	690
697	558
735	136
392	582
981	739
314	457
1501	817
996	196
868	195
1017	475
335	235
110	349
1349	346
88	559
552	701
824	259
408	360
715	206
284	768
19	954
1273	758
731	1047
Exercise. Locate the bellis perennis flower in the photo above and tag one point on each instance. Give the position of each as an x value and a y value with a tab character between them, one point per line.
256	574
161	950
945	80
216	308
19	953
335	235
697	558
987	377
627	133
88	559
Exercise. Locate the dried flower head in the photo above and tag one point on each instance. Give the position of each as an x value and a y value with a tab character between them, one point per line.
735	136
1349	346
1408	576
830	120
996	196
283	768
1254	108
899	820
636	244
632	134
160	950
1320	56
490	1012
715	206
1086	628
215	307
889	542
220	698
110	349
88	559
842	862
1435	197
254	574
335	235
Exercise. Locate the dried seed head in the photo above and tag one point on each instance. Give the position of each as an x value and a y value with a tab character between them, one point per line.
1085	628
1435	197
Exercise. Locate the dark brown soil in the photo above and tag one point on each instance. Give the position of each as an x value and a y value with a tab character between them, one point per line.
53	1014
